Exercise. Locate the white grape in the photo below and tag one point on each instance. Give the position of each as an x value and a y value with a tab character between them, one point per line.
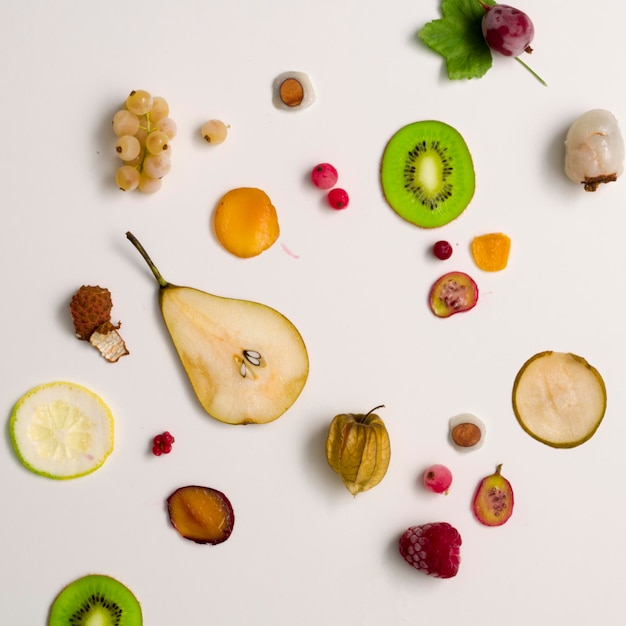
125	123
157	165
127	178
214	131
128	147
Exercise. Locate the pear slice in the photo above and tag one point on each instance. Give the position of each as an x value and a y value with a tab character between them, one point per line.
246	362
559	399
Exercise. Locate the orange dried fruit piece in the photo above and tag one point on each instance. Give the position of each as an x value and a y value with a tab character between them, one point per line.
245	222
201	514
491	251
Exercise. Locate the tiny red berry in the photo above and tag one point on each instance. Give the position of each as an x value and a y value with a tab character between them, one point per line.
442	250
438	478
338	199
167	437
162	444
324	176
158	440
156	450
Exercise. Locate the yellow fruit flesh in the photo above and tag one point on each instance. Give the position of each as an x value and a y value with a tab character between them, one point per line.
491	251
559	399
245	222
246	362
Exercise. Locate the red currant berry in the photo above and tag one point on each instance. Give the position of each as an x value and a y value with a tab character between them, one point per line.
442	250
324	176
156	450
166	448
167	437
338	199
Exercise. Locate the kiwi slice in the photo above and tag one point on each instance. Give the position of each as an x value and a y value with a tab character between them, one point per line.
427	173
95	599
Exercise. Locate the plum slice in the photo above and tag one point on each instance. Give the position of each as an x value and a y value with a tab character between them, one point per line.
454	292
201	514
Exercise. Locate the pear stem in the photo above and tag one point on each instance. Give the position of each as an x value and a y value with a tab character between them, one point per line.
162	282
543	82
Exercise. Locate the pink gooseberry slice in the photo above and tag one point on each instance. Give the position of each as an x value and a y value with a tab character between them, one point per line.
493	500
454	292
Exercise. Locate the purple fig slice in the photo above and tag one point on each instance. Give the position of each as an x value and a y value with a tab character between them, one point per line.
454	292
493	500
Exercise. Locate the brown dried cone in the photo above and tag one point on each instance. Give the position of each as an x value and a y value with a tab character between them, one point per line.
90	308
358	449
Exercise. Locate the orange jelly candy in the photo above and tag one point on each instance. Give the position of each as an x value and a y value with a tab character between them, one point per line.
491	251
245	222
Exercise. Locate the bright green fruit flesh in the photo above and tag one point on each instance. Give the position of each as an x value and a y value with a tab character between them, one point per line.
427	173
61	430
246	362
95	600
559	399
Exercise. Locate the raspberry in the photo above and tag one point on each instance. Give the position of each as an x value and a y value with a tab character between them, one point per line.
432	548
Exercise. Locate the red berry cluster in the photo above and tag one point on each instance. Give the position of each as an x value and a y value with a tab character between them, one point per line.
162	444
324	176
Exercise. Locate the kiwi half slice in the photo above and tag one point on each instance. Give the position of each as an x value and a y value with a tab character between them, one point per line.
427	173
95	599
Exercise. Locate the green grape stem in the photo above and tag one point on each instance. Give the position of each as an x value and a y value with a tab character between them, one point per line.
543	82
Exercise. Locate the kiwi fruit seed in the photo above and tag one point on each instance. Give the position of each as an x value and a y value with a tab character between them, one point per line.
427	173
95	599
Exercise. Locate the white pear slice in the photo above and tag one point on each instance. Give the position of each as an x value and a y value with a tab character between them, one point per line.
559	399
246	362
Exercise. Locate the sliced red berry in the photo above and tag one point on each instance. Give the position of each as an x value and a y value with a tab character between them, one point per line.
324	176
454	292
442	250
432	548
338	198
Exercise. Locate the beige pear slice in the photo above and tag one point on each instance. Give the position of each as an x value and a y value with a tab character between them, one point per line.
559	399
247	363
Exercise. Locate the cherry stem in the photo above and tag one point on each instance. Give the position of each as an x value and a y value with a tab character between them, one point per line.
543	82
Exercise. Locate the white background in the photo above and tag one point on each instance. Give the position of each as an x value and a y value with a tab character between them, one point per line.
304	551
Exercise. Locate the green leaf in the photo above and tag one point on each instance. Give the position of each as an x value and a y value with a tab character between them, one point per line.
458	38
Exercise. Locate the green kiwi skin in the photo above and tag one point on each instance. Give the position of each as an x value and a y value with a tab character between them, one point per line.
76	597
457	156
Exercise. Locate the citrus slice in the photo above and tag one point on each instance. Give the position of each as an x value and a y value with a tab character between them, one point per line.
61	430
559	399
245	222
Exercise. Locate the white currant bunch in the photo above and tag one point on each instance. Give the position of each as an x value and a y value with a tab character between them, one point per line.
144	131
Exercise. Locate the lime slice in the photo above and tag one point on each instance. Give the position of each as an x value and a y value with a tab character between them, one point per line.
61	430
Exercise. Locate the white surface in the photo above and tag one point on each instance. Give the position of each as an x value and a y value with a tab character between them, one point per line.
303	551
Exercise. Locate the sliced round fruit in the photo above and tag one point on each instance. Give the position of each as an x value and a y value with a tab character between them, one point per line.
559	399
427	173
61	430
454	292
493	500
245	222
96	599
201	514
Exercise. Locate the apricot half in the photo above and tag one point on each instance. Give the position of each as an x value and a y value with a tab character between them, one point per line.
245	222
201	514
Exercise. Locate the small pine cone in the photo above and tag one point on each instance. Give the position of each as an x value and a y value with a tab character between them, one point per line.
90	308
